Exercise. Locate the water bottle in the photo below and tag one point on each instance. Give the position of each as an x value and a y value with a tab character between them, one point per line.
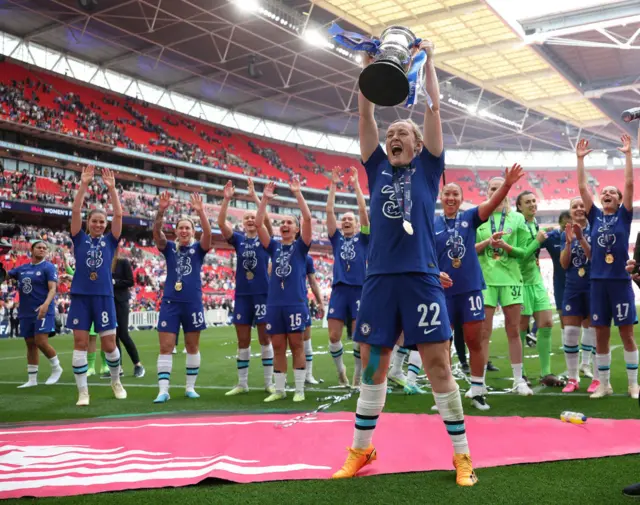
573	417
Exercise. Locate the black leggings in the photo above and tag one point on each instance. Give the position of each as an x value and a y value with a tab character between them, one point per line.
122	332
458	342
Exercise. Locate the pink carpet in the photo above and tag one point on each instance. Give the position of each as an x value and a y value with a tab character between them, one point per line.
64	460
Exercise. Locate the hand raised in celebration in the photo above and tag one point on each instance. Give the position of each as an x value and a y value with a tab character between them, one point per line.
335	175
294	185
582	148
577	231
87	174
229	190
269	191
626	144
568	231
513	174
165	201
108	178
251	188
428	47
196	202
354	175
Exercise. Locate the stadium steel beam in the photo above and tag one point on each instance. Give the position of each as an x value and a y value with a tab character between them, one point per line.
111	41
567	23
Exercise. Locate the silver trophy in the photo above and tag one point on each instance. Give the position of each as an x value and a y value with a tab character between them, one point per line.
384	82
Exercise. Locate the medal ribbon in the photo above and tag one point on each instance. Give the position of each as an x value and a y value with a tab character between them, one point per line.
180	266
609	238
579	251
285	260
403	198
249	269
533	235
348	244
94	253
493	227
456	250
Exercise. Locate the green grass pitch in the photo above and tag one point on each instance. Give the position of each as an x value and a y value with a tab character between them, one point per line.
583	481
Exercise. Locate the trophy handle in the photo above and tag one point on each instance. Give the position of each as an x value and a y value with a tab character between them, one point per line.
384	83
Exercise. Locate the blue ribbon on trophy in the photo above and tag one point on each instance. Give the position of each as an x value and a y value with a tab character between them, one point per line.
394	76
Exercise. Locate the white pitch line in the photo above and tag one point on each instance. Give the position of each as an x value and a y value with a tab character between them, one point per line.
337	390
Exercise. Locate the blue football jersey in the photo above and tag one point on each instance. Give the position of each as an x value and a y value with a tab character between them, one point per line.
554	246
609	233
574	281
468	276
287	284
252	276
391	249
93	261
349	258
184	265
33	285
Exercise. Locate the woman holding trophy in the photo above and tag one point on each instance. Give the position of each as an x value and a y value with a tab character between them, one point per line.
402	291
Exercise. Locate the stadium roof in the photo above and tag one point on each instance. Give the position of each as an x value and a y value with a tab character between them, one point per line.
268	58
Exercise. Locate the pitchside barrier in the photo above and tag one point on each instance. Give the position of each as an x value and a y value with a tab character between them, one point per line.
147	320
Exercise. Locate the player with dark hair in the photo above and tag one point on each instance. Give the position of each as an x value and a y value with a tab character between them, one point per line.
611	294
37	285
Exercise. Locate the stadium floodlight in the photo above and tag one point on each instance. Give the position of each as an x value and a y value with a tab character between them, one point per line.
315	38
248	5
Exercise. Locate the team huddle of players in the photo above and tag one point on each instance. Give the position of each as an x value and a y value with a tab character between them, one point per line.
400	271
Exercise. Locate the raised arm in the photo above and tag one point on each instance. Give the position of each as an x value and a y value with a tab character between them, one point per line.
582	149
627	194
432	130
362	204
116	223
511	176
332	224
367	127
254	197
306	233
565	254
198	205
76	210
225	227
315	289
158	235
267	195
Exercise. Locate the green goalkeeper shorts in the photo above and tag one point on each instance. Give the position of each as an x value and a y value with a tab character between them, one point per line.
503	295
536	299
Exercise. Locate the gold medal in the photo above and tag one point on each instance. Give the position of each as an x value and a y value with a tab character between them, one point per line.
581	271
455	262
250	275
178	286
93	276
538	262
609	258
496	256
282	284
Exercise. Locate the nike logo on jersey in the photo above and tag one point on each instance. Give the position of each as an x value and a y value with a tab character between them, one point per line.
439	232
476	314
426	332
384	172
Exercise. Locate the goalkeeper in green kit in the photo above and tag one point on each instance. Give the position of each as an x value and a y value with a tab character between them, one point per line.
536	298
499	243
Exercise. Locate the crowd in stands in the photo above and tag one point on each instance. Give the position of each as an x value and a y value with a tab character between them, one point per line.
149	270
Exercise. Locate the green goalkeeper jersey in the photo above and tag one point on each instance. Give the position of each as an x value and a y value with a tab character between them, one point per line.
529	262
498	267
